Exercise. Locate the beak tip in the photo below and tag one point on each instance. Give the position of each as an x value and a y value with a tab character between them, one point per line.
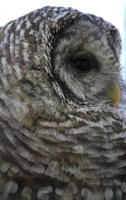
114	94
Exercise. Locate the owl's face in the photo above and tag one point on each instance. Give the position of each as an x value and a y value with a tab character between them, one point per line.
85	61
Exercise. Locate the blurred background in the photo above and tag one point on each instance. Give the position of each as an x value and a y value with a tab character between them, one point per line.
124	44
111	10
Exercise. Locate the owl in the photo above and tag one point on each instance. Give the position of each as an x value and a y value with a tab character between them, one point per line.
62	110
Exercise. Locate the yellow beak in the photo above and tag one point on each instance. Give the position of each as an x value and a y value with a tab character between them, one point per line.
114	93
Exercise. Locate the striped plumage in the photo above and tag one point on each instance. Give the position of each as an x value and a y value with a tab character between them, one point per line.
60	138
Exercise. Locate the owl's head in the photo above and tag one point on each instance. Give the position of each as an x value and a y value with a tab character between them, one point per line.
48	55
85	57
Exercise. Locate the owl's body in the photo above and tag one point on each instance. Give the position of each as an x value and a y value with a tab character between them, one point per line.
60	137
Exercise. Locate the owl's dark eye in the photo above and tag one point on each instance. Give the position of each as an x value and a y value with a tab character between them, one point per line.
85	63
